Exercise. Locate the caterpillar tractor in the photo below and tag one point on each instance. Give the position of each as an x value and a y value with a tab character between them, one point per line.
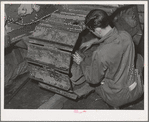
58	34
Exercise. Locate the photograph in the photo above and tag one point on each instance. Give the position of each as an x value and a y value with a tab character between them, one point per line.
74	57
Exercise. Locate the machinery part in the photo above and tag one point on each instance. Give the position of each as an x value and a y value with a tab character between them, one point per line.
84	9
85	90
18	34
49	76
55	34
65	24
60	59
58	91
49	43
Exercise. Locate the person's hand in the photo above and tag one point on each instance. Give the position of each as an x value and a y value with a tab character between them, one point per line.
77	58
88	44
85	46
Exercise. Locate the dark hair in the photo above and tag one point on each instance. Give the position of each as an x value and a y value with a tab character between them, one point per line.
97	18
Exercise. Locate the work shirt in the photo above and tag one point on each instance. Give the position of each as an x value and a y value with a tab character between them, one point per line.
112	69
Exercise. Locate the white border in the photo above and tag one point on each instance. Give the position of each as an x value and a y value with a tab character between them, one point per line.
69	115
75	2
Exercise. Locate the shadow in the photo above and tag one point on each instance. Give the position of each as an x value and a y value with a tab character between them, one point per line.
133	103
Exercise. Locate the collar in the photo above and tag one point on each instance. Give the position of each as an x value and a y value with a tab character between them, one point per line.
109	37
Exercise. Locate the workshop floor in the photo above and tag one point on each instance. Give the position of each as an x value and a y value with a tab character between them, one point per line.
31	96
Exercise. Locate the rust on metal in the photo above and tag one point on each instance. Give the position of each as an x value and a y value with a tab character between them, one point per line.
58	58
55	35
49	76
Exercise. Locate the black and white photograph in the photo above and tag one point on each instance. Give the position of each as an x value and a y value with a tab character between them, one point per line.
74	60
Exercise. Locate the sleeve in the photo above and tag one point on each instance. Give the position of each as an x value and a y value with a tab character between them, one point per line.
96	71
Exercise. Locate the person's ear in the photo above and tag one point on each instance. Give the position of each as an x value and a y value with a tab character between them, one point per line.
98	30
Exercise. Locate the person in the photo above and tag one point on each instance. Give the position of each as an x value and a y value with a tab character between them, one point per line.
25	9
111	69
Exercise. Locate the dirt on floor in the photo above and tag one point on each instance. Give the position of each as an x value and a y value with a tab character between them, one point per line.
31	96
